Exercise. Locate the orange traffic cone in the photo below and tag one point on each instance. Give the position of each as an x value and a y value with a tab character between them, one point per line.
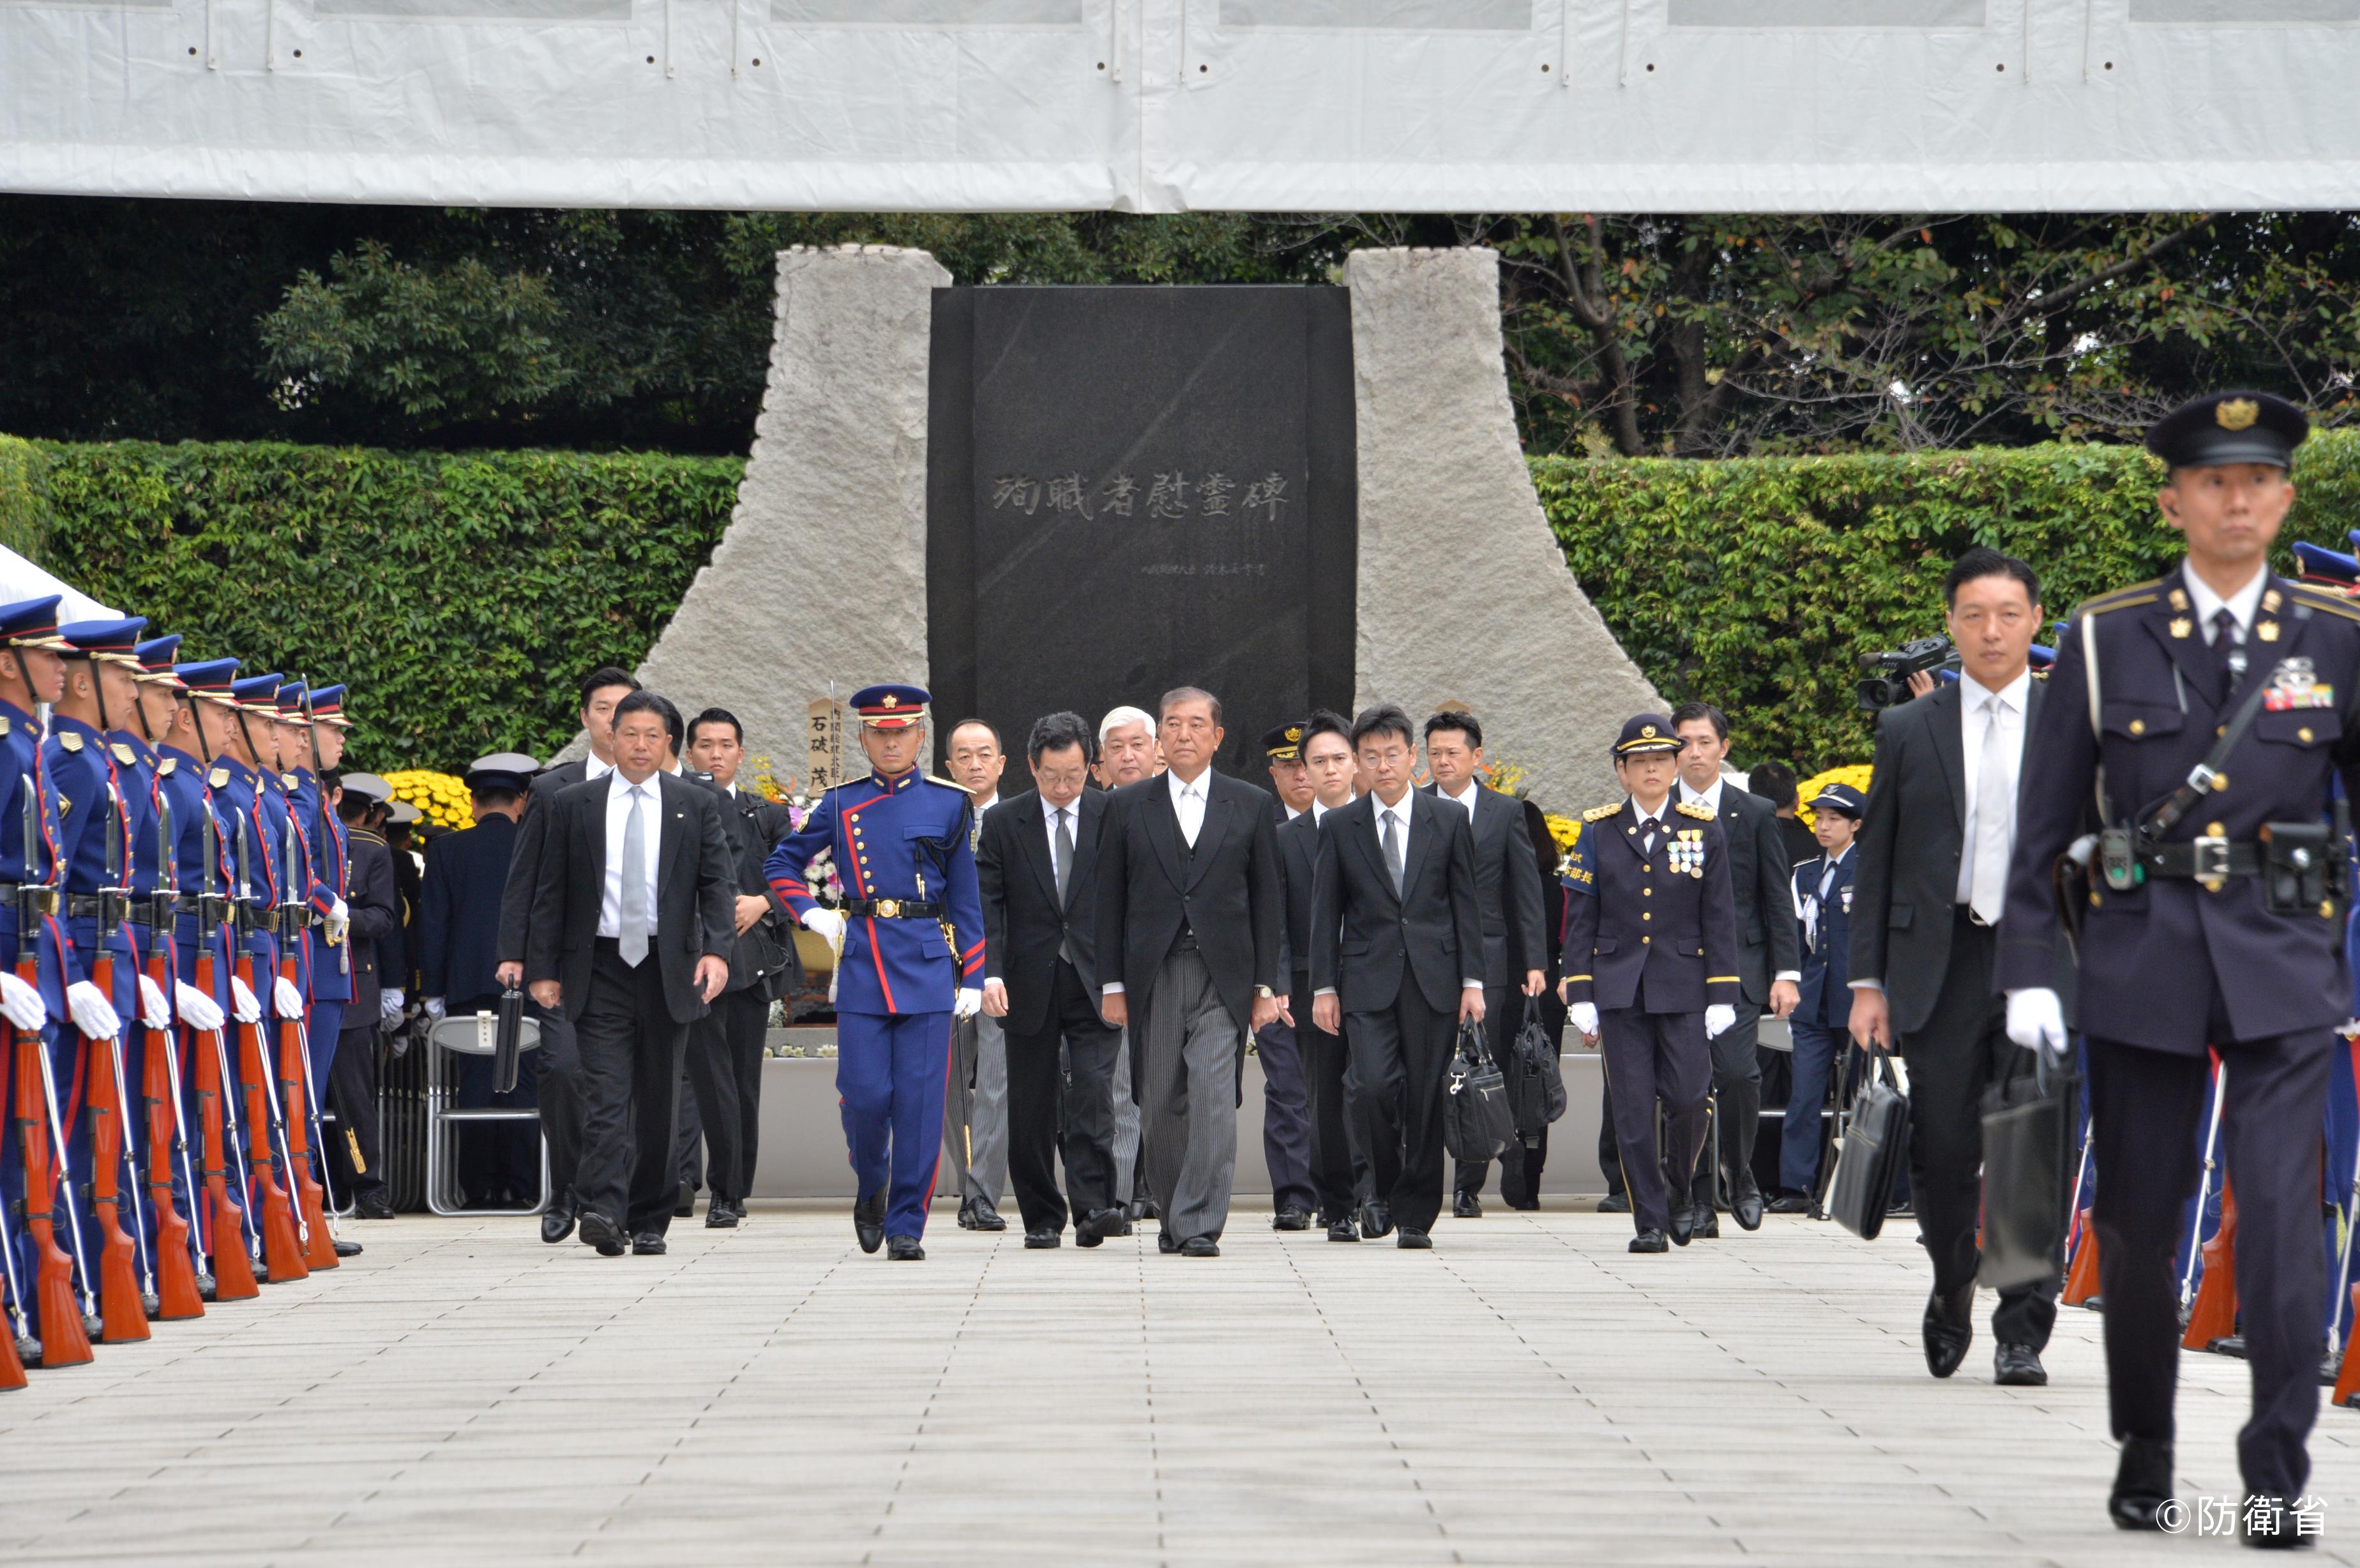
2215	1314
2081	1275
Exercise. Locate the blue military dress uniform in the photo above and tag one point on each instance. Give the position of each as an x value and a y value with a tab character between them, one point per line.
1651	941
894	842
324	971
1819	1023
2195	944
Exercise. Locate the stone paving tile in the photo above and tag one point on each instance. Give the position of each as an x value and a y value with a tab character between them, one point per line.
1529	1392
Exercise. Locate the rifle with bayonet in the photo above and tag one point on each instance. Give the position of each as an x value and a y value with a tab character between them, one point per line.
122	1292
64	1328
283	1240
235	1240
182	1282
299	1106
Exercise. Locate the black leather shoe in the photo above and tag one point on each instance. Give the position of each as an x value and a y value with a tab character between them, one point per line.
2267	1524
557	1220
1042	1240
602	1233
1414	1240
1949	1329
1145	1209
1748	1211
1376	1220
1465	1206
1343	1230
685	1204
1094	1228
967	1213
647	1244
346	1248
986	1217
1705	1224
372	1204
904	1249
1615	1203
1166	1242
869	1221
1200	1247
1292	1218
1650	1241
2142	1485
2018	1366
1683	1226
1790	1203
720	1215
1125	1228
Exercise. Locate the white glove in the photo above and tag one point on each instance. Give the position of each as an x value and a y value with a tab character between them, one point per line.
20	1003
827	923
435	1006
340	920
1718	1020
92	1013
285	1000
2036	1018
1584	1016
389	1003
197	1010
967	1003
153	1012
242	1003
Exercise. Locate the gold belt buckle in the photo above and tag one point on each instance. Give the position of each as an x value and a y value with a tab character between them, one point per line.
889	908
45	900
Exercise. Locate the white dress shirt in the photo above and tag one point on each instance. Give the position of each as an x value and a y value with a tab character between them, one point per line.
2241	606
1377	818
1711	800
1188	803
985	805
619	790
1807	908
1975	702
592	768
1467	800
1072	813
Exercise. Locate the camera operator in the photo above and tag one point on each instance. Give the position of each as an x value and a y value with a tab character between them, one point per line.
1928	894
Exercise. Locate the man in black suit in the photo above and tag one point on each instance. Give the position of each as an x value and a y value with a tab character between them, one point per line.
1286	1137
376	916
1769	958
1189	905
1396	964
1928	894
1339	1169
1508	894
1037	865
725	1047
500	1166
560	1061
631	930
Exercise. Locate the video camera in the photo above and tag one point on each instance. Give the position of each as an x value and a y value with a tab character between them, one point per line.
1888	672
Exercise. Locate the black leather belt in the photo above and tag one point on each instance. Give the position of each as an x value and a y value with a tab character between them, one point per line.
894	909
2201	859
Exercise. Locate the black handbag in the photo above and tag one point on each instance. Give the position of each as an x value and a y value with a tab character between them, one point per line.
2028	1164
507	1045
1869	1153
1476	1122
1539	1096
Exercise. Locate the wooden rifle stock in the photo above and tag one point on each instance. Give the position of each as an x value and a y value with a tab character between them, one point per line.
120	1315
282	1252
178	1293
64	1342
321	1251
233	1270
11	1362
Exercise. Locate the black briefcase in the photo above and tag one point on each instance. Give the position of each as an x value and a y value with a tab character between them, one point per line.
1476	1122
507	1045
2029	1159
1539	1097
1869	1156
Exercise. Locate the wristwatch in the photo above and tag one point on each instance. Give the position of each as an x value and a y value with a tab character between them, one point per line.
1265	991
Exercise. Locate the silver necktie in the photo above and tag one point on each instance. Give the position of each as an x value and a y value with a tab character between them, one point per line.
632	938
1987	890
1392	850
1064	853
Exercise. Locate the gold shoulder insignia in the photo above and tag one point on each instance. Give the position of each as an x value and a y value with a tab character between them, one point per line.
64	806
123	754
1702	813
2122	601
70	739
2326	599
946	783
164	768
291	781
4	726
1600	813
218	777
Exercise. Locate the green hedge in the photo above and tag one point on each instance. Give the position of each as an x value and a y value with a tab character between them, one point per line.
460	595
1754	584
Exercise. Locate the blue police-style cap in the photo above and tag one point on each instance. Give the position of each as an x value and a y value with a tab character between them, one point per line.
2332	567
258	693
156	656
2229	427
1838	798
32	623
116	637
328	706
289	701
510	771
891	707
2042	657
1645	733
208	676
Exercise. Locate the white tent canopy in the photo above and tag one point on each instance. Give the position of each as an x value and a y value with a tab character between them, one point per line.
1169	106
21	579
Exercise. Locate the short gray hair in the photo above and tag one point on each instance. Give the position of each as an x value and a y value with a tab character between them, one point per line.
1118	717
1190	694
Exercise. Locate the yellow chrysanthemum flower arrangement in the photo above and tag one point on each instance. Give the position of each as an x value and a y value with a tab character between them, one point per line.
438	797
1853	773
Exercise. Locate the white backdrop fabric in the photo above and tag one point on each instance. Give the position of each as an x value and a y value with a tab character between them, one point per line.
1172	105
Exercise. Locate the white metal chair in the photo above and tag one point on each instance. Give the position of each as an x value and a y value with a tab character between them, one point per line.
452	1038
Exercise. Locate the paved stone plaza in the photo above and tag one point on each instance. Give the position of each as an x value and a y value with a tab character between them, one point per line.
1528	1392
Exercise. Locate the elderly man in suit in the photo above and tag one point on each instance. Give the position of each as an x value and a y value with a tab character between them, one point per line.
1769	958
631	930
975	1103
1396	964
1036	863
1339	1167
1127	753
1189	907
1928	895
1508	895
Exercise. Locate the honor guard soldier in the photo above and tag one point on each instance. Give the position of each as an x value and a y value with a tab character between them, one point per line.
910	957
1651	966
2184	769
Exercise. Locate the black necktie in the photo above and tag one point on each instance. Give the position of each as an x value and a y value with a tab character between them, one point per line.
2227	652
1648	835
